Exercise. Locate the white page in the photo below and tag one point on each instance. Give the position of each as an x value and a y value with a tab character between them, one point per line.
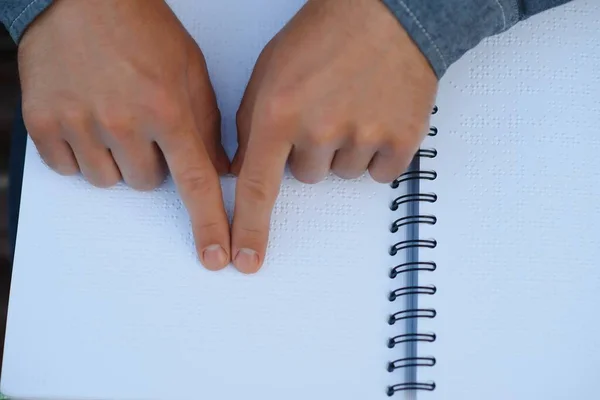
109	302
518	232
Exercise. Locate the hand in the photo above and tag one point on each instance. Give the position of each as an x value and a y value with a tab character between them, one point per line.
342	88
114	89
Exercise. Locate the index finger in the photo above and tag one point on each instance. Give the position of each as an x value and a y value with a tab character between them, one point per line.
256	192
200	190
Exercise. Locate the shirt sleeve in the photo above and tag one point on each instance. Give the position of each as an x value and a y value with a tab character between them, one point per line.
444	30
16	15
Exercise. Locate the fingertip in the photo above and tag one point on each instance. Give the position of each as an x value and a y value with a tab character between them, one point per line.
247	261
214	257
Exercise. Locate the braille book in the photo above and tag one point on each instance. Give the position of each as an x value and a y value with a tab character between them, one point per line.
476	275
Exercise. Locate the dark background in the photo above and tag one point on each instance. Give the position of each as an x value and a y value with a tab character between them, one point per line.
9	92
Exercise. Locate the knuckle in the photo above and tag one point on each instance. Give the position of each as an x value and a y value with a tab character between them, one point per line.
117	122
196	181
40	122
163	115
162	108
402	143
254	190
168	117
280	106
323	137
165	109
369	137
326	131
75	118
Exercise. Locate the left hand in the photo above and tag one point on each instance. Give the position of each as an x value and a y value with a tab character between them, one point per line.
341	88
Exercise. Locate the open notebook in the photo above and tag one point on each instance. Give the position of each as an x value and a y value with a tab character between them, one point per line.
483	283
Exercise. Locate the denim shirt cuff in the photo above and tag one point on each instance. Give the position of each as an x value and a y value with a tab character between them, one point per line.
444	30
19	14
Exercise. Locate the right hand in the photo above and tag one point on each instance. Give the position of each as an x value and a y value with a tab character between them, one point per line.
113	89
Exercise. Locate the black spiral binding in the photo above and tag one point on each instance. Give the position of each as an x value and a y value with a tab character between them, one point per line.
412	267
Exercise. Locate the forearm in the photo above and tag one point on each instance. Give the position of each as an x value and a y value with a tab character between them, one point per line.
16	15
445	30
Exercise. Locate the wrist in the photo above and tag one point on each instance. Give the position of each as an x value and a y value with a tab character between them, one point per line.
444	30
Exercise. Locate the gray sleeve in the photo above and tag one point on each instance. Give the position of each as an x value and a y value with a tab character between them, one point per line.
445	30
16	15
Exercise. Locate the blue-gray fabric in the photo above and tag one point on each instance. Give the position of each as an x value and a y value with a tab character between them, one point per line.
444	30
16	15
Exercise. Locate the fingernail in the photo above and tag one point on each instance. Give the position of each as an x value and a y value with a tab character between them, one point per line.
214	257
246	260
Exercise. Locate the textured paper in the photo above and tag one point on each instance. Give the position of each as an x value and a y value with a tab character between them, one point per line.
123	311
518	227
109	302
